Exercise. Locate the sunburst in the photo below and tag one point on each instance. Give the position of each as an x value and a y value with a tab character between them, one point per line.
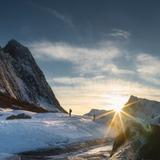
117	102
118	119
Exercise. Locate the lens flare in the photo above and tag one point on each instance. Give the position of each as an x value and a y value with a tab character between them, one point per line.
117	109
117	102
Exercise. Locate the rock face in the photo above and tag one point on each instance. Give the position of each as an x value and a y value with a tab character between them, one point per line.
22	79
143	108
19	116
137	142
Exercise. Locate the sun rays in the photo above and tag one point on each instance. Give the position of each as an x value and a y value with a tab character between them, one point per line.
105	114
119	117
118	109
117	101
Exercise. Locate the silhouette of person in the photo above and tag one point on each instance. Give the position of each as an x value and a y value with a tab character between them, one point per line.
70	112
94	117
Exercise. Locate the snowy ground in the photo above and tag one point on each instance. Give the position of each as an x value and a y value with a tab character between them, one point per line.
44	130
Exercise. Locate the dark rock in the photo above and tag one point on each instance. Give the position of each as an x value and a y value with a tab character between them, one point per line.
138	142
19	116
151	149
16	107
7	101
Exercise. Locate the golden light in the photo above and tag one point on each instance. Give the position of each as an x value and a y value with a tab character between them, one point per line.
116	125
117	109
117	102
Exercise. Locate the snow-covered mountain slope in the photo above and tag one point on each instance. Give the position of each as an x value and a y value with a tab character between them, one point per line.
21	78
45	130
142	108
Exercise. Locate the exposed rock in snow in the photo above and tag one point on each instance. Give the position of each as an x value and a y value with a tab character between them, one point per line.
21	78
19	116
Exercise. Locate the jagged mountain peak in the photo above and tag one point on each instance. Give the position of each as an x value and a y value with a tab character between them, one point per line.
13	45
21	77
13	42
17	50
132	98
143	108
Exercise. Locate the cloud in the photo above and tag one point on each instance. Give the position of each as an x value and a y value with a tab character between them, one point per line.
119	33
148	67
148	64
101	59
118	71
95	60
103	85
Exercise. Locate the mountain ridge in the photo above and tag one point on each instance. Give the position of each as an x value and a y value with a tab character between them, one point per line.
22	79
142	108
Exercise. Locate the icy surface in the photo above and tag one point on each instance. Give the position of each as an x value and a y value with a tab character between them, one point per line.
44	130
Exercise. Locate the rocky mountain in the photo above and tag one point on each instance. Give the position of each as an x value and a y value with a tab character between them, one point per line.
21	79
142	108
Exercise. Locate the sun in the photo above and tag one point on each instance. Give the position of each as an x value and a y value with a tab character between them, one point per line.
117	102
117	109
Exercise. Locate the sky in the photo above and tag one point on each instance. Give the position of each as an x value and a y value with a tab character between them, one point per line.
94	53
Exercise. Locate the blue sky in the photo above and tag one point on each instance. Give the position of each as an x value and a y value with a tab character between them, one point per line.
92	52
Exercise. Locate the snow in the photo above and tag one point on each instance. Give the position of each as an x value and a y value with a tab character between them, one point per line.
98	149
44	130
43	102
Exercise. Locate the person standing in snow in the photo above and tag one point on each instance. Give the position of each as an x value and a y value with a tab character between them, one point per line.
94	117
70	112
